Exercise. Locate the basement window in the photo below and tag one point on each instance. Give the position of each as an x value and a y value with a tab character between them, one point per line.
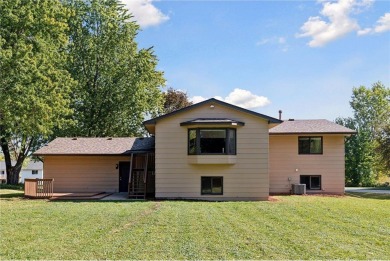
313	182
211	185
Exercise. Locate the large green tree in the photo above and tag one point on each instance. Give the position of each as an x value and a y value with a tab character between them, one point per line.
366	151
34	83
118	84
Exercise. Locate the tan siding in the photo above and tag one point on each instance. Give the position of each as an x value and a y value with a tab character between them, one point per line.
83	173
178	178
284	160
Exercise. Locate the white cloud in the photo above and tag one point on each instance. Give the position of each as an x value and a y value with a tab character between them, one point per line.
197	99
280	41
339	21
382	25
239	97
145	13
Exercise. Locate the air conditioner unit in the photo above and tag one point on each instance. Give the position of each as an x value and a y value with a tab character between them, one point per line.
298	189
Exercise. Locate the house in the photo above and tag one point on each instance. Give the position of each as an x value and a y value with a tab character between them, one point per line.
211	150
33	170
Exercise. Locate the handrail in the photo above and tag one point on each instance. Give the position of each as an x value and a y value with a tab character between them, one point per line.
38	188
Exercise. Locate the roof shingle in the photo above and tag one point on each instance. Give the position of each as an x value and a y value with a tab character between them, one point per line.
97	146
309	127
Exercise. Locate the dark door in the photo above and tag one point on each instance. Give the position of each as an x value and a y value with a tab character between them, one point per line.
124	170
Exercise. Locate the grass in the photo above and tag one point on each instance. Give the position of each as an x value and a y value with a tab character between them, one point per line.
294	227
368	195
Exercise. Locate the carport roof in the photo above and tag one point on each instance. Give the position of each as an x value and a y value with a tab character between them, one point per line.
97	146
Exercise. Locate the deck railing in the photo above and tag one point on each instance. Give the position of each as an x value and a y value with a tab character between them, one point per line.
38	188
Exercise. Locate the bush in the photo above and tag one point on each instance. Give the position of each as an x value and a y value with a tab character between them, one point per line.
9	186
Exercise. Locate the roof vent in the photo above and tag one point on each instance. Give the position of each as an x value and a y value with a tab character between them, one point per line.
290	119
75	138
109	138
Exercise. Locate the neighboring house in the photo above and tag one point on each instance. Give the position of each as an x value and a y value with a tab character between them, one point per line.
33	170
211	150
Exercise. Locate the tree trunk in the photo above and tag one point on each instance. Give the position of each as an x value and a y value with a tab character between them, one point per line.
12	171
13	175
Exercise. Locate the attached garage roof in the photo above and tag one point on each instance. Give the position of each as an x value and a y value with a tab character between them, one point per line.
97	146
309	127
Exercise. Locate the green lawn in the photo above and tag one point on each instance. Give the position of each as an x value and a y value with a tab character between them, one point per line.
294	227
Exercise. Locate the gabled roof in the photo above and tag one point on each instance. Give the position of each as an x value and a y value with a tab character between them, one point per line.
309	127
97	146
215	101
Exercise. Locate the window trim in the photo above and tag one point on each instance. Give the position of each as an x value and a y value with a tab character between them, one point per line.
198	141
311	153
211	177
310	176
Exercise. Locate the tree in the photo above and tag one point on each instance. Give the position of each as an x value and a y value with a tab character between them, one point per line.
384	147
367	151
34	85
118	85
372	108
175	100
359	155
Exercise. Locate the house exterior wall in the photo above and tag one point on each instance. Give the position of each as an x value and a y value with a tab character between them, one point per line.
83	173
27	174
285	163
245	175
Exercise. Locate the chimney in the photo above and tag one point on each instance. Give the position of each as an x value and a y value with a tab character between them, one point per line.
280	114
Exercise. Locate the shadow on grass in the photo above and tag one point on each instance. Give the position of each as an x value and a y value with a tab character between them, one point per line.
12	195
368	195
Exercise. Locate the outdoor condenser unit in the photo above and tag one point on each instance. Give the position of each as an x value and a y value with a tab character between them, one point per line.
298	189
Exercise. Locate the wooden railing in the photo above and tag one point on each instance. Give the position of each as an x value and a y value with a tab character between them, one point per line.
38	188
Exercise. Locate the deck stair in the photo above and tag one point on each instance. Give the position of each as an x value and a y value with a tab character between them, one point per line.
138	176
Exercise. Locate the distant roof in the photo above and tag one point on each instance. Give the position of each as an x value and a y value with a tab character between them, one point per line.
216	121
309	127
97	146
36	165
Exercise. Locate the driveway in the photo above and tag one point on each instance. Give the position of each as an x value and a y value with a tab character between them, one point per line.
367	190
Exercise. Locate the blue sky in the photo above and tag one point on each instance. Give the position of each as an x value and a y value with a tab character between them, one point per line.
302	57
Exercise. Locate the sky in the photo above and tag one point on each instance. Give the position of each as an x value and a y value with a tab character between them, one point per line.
301	57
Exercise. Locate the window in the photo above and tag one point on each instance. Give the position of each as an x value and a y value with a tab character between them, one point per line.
311	181
34	172
211	185
310	145
2	172
211	141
